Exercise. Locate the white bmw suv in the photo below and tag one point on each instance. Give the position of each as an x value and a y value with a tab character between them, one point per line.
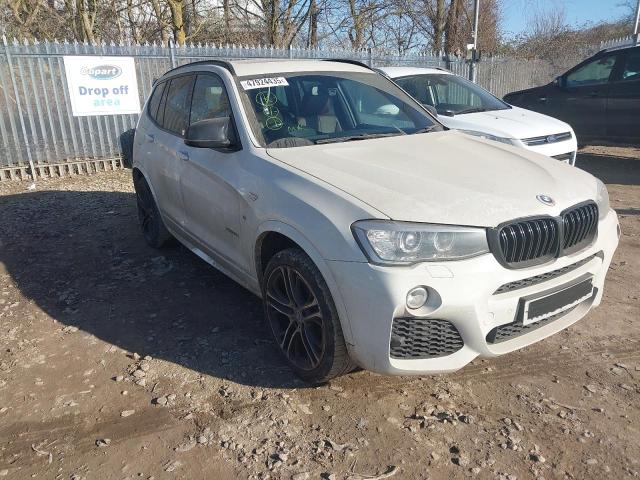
375	236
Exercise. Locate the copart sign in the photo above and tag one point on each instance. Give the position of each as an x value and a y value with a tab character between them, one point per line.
102	85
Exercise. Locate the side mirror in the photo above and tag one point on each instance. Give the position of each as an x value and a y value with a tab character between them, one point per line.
211	133
559	82
432	110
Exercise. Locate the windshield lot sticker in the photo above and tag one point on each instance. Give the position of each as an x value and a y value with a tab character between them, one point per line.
264	82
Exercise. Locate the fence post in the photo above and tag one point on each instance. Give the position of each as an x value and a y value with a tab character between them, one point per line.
15	92
172	56
370	57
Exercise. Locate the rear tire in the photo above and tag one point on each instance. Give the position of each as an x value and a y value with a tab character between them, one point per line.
303	318
153	228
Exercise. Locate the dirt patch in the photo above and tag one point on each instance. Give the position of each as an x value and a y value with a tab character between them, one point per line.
120	361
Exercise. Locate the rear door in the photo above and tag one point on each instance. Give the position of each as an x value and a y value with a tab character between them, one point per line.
172	121
146	149
623	107
581	99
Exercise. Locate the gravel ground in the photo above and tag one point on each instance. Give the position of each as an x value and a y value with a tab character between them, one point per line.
120	361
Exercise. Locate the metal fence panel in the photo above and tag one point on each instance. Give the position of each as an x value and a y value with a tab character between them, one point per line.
38	128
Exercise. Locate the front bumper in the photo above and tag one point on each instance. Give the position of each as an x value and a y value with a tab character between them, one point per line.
562	151
463	293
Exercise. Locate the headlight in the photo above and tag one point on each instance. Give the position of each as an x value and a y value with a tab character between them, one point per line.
602	199
508	141
398	243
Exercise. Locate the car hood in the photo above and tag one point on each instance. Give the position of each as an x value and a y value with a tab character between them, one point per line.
443	177
528	90
510	123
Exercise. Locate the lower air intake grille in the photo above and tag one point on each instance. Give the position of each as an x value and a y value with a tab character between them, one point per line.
507	332
415	338
527	282
564	157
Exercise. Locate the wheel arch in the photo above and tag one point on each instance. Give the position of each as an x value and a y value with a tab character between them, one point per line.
274	236
137	173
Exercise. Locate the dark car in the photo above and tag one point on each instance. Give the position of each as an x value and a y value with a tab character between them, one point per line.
599	98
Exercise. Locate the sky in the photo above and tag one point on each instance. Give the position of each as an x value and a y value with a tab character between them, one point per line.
517	12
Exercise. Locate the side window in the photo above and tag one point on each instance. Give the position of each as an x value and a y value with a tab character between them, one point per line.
163	104
632	65
209	99
592	73
451	93
156	96
176	112
416	87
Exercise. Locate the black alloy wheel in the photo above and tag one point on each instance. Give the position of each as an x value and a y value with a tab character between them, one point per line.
295	317
153	229
303	318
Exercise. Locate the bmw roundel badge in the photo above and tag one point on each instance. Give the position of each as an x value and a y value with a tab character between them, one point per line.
546	199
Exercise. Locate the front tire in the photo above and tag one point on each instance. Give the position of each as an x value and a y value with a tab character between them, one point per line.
303	318
153	229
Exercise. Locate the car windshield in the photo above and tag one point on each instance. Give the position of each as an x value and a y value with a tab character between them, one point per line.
298	109
450	94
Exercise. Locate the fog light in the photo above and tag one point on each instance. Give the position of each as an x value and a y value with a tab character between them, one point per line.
417	297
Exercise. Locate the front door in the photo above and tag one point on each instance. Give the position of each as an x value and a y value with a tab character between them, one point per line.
623	107
210	180
581	99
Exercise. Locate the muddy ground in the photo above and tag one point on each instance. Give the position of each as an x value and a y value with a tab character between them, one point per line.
120	362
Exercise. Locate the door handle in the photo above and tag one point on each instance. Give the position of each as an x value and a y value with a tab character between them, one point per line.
542	99
184	156
593	95
248	195
150	138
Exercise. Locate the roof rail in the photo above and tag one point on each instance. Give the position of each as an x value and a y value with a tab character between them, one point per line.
349	61
217	63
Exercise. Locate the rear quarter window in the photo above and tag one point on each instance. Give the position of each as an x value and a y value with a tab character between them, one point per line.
156	96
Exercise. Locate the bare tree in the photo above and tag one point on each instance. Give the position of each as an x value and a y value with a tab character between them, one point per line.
163	25
314	13
176	7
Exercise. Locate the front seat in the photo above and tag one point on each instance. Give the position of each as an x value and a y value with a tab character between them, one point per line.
317	111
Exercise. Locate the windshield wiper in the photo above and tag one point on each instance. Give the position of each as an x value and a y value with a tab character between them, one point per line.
352	138
428	129
471	110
